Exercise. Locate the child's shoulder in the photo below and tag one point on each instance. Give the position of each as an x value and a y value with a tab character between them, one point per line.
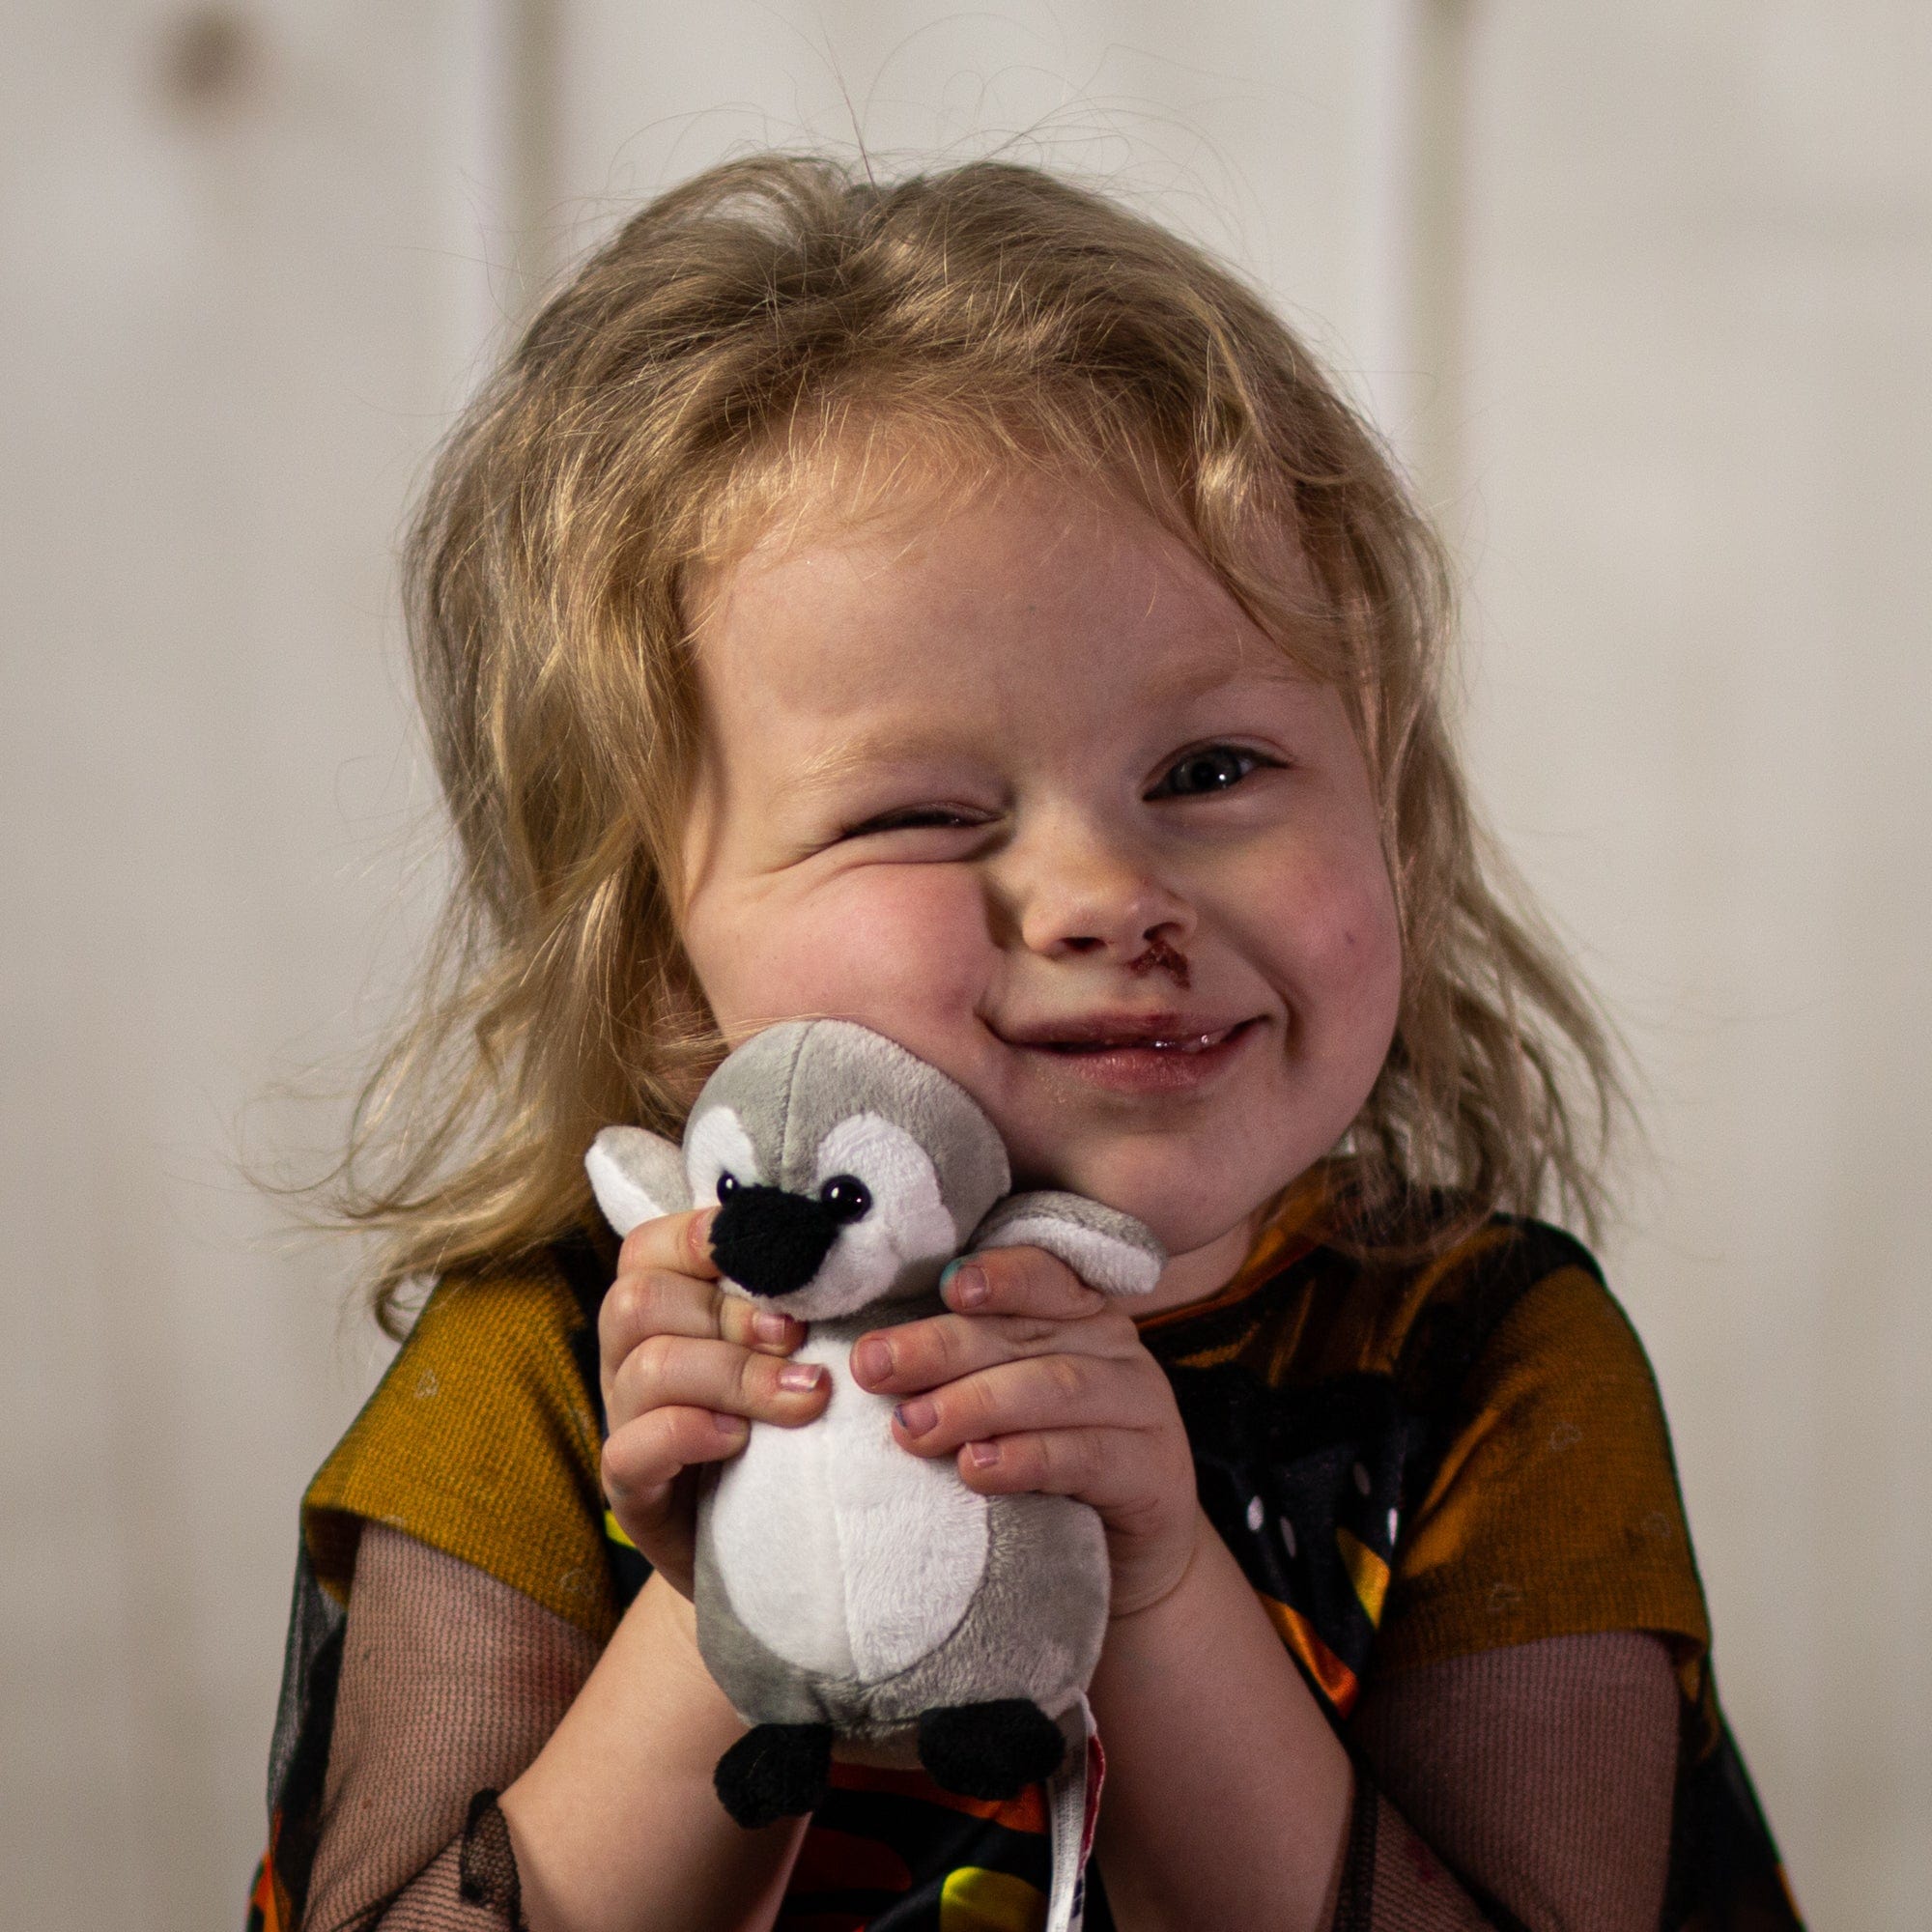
1508	1288
1545	1498
482	1438
1475	1429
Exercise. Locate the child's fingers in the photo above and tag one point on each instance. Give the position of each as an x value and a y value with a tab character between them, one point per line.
680	1243
754	1325
1141	1481
658	1301
645	1457
1052	1392
1083	1462
1018	1281
676	1371
1114	1471
916	1355
653	1301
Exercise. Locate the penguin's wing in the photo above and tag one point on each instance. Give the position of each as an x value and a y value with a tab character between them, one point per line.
1106	1249
636	1177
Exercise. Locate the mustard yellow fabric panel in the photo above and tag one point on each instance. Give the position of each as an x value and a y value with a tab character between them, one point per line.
1555	1511
479	1443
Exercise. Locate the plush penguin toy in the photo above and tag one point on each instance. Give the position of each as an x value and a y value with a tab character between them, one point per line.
845	1587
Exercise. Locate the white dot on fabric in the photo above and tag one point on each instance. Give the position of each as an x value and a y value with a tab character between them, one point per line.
1392	1523
1361	1479
1288	1534
1255	1513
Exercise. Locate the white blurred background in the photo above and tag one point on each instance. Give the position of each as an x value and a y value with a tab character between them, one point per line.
1644	295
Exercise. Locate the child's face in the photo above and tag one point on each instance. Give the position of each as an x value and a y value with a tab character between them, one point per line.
1020	785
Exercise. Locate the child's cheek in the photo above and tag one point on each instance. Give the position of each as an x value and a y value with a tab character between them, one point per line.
1350	927
892	946
1353	962
1327	921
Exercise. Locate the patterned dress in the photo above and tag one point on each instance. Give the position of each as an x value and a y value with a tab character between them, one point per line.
1410	1463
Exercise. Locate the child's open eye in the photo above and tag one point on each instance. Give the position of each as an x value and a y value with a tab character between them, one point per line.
1213	768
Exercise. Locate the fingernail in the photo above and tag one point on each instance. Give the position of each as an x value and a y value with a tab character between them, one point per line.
984	1454
729	1426
915	1416
800	1375
769	1326
872	1361
968	1281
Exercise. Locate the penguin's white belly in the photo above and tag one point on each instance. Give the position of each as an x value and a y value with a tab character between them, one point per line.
839	1549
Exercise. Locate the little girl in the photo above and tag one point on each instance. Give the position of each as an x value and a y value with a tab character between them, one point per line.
962	608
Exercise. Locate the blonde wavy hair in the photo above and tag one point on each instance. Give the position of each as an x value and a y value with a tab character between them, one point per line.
732	334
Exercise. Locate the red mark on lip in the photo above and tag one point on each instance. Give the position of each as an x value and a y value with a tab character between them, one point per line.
1161	957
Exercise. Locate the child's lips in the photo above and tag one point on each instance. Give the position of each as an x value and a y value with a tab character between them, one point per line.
1161	1053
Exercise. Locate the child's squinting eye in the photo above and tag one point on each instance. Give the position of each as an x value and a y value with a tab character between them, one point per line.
1212	769
914	819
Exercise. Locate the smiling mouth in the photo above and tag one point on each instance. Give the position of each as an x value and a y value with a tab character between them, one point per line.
1182	1044
1183	1035
1148	1055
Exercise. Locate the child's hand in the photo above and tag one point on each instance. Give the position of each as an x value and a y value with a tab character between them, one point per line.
1045	1385
685	1367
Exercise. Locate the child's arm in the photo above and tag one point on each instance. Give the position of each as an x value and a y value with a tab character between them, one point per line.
449	1682
454	1684
1227	1797
1545	1772
615	1823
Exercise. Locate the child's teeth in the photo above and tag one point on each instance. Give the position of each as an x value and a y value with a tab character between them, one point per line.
1196	1043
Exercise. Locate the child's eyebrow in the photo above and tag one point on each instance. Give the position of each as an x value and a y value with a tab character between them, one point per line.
827	769
1246	665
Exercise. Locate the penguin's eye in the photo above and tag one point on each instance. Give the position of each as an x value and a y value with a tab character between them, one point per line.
727	1186
846	1196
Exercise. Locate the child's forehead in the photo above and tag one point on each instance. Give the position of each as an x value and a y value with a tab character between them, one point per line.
847	499
882	527
969	604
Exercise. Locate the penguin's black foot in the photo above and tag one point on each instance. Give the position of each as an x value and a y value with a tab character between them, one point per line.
989	1750
774	1772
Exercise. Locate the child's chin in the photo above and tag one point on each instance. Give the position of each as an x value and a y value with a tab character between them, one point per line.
1182	1230
1182	1213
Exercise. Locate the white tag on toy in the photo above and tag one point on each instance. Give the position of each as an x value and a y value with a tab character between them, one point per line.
1073	1805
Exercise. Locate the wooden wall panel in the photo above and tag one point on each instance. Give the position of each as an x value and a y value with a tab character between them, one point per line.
1695	417
242	267
1247	125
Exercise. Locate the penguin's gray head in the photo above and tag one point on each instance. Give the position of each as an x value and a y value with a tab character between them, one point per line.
846	1171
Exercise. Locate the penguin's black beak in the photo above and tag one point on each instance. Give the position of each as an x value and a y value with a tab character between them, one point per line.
771	1242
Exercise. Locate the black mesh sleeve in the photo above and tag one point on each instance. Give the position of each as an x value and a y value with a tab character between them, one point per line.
451	1682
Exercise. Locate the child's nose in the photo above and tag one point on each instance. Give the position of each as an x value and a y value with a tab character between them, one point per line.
1080	891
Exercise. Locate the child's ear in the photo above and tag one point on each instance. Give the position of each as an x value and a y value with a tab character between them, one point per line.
1106	1249
636	1177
